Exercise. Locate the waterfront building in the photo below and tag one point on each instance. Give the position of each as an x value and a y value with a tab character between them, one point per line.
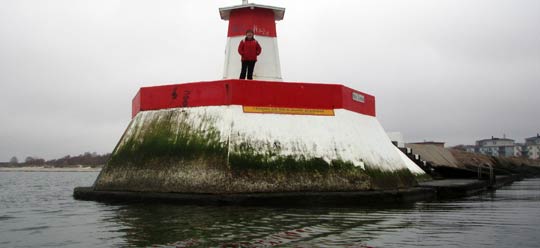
503	147
435	143
532	146
497	147
520	150
470	148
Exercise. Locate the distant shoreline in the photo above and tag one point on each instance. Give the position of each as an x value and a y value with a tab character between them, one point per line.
49	169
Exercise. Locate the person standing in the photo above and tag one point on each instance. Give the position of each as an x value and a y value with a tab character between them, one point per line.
249	49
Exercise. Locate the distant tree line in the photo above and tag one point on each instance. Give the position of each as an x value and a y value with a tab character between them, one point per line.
88	159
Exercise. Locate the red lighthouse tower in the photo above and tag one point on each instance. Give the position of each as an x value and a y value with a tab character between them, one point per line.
262	20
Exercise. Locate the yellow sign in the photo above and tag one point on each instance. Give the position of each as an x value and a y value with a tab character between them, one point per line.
288	111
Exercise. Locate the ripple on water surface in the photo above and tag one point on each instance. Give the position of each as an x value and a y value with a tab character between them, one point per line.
37	210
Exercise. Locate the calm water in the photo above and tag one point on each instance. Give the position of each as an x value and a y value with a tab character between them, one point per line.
37	210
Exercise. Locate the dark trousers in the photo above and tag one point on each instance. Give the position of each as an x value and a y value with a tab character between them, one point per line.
247	66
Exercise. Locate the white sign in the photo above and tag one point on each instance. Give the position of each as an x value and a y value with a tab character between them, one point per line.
358	97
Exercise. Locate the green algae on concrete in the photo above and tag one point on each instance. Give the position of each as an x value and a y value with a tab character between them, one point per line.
390	179
162	151
158	138
191	152
290	173
423	177
264	158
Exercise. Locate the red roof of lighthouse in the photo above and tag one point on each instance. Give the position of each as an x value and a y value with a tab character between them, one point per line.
226	11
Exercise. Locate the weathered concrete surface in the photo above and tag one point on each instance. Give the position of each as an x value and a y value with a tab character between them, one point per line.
221	149
436	155
309	199
502	166
452	188
455	183
426	191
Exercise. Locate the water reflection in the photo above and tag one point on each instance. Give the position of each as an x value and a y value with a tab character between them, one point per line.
487	220
199	226
38	210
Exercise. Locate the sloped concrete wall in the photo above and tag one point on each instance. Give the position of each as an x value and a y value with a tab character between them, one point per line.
221	149
437	155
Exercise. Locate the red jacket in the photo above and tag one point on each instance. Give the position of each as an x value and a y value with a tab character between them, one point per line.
249	49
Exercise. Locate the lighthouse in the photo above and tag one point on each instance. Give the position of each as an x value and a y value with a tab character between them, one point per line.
233	139
262	20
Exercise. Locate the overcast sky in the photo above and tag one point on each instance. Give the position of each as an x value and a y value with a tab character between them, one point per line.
445	70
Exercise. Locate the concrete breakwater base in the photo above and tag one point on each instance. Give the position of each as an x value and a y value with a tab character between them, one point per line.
425	191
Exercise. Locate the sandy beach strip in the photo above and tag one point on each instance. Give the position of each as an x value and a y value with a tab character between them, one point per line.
48	169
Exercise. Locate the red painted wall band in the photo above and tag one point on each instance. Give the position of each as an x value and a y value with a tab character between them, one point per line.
253	93
261	21
136	104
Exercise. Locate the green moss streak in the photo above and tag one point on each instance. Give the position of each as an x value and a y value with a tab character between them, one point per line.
247	159
168	137
286	163
423	178
390	179
245	156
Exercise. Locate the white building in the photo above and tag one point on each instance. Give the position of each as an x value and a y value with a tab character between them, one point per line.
497	147
503	147
520	150
532	147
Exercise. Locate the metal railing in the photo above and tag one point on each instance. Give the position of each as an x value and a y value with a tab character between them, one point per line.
491	174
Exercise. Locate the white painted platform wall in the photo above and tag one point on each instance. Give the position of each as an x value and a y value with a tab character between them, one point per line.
347	136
